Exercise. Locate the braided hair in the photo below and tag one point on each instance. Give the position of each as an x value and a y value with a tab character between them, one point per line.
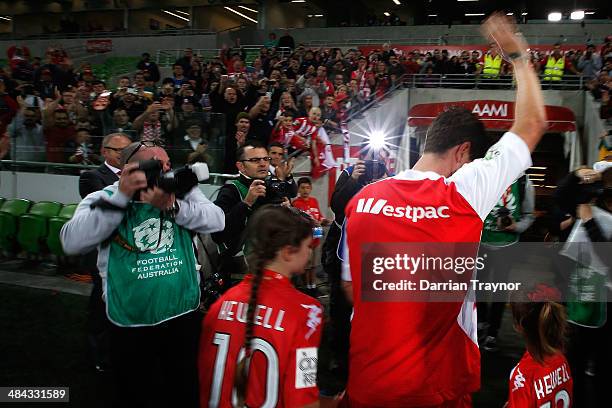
270	229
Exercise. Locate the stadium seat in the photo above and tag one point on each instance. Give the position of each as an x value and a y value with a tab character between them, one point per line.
55	225
9	213
2	200
33	226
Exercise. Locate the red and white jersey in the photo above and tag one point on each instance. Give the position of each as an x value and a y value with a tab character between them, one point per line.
287	332
427	352
309	205
305	128
535	385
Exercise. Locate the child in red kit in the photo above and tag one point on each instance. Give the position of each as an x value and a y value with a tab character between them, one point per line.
310	206
542	378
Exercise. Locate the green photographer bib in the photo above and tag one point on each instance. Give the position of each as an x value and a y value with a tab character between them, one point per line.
151	276
491	235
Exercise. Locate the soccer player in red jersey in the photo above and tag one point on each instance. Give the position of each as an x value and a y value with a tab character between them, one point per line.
260	339
542	378
425	354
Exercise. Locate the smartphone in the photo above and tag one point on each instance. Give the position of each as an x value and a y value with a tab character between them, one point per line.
269	95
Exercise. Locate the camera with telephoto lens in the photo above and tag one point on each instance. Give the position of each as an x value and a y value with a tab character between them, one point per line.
178	182
374	169
211	289
276	190
502	215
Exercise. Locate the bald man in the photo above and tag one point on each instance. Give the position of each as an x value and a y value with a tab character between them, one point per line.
108	172
150	278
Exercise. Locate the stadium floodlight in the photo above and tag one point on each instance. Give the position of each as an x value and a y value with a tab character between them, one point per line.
318	15
555	16
397	2
298	1
577	15
509	14
175	15
474	14
249	9
432	15
589	13
386	13
240	14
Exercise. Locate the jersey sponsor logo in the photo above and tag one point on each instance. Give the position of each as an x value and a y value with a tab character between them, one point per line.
519	380
147	236
306	367
314	319
414	214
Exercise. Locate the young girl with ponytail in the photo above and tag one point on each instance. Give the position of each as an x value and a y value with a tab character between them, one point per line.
542	378
260	339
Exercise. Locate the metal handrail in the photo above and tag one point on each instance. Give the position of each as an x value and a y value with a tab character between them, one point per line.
106	34
568	82
167	57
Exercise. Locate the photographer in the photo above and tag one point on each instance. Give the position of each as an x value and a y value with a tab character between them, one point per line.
150	278
239	199
586	195
350	182
511	216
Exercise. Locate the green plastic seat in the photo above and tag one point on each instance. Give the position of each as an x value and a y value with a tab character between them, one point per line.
67	211
9	213
2	200
33	226
53	237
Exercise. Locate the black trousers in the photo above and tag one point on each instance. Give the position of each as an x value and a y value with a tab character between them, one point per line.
156	366
493	312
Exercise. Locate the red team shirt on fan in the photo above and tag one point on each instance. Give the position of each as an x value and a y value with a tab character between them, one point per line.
421	354
287	333
535	385
310	206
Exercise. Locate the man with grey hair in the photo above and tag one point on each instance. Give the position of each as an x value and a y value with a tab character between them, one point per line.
149	271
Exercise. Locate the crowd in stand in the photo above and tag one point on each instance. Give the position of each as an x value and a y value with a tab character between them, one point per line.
57	112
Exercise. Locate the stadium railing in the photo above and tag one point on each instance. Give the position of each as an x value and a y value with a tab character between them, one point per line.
461	81
165	58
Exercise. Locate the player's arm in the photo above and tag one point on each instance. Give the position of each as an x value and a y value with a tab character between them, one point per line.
529	114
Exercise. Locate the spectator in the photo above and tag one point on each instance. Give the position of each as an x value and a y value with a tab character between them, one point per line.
305	202
261	121
272	42
554	65
81	150
184	148
329	115
243	125
230	105
27	136
109	171
492	63
122	124
141	302
590	63
286	41
146	66
178	77
323	87
282	167
156	123
58	131
185	61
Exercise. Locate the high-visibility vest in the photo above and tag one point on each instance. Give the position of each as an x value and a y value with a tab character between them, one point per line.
492	66
554	69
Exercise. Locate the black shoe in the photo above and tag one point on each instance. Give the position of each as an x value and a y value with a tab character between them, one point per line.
490	344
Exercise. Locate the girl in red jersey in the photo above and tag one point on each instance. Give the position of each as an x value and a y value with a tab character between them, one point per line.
542	378
260	339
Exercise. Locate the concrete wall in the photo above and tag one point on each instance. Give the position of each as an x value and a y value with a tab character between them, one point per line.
124	46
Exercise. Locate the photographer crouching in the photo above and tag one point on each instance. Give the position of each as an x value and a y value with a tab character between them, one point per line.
143	227
240	198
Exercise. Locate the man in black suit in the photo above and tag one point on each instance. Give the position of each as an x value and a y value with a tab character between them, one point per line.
89	182
107	173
